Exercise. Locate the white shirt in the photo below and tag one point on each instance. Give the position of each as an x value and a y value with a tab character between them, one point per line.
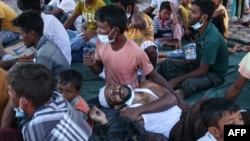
55	32
68	7
207	137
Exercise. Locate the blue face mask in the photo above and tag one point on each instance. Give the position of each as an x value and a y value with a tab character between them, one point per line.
128	15
19	111
83	1
198	25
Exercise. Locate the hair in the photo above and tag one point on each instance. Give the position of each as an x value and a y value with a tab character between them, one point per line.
114	15
70	76
206	7
29	21
165	5
214	109
119	129
32	5
32	81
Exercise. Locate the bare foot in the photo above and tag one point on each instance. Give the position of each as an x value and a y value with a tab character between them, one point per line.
246	48
234	49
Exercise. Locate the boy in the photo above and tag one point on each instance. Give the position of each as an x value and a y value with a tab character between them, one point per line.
217	112
167	26
69	85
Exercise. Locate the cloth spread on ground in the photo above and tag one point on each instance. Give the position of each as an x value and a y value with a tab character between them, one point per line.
92	82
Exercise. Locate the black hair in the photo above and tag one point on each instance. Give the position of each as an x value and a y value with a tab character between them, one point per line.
214	109
125	3
32	81
114	15
32	5
206	7
119	129
165	5
29	21
70	76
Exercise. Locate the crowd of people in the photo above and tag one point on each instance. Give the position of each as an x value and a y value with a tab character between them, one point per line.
41	95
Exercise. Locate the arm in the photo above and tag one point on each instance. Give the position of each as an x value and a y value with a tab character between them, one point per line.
175	20
218	13
56	12
70	20
184	21
137	20
157	78
149	10
165	101
8	115
235	89
202	70
1	21
7	64
90	61
98	116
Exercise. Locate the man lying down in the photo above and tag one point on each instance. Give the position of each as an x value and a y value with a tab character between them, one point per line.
155	107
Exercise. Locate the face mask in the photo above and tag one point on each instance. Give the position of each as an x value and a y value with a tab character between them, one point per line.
83	0
105	38
128	15
197	25
19	111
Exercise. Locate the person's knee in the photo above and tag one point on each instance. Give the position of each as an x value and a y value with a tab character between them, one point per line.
192	85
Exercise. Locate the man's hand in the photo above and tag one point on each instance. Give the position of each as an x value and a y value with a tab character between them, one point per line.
132	113
89	59
26	58
87	35
173	82
97	115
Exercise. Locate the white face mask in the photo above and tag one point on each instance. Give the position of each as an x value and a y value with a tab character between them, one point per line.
128	15
105	38
198	25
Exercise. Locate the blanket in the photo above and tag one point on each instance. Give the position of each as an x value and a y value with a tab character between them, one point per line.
92	82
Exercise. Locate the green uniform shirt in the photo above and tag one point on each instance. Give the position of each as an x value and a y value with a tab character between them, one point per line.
212	49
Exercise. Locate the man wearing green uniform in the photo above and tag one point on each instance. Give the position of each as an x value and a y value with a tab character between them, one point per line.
189	76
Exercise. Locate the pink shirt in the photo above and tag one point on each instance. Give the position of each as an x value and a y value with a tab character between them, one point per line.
244	66
121	66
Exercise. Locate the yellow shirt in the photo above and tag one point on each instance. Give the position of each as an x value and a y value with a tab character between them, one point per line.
225	18
140	36
88	13
7	14
186	13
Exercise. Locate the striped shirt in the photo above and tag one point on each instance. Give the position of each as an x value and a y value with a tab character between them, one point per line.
55	120
164	28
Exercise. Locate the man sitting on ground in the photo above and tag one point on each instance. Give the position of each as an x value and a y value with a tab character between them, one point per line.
47	113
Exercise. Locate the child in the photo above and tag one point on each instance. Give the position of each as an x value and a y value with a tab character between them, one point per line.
184	11
167	30
217	112
69	85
